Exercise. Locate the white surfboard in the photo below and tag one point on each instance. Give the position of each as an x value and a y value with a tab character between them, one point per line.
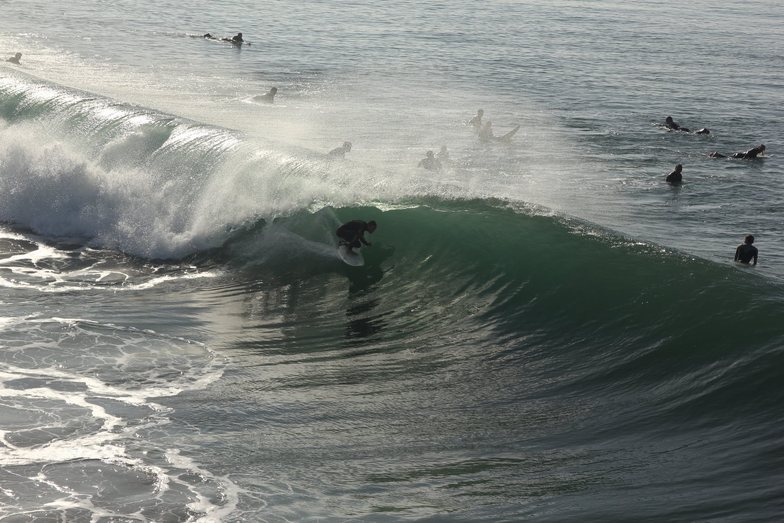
349	256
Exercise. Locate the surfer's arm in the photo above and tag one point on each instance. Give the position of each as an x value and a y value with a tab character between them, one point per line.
737	254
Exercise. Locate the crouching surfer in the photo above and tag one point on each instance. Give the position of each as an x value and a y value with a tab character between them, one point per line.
352	234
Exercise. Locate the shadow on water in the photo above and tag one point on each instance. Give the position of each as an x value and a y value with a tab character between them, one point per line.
363	281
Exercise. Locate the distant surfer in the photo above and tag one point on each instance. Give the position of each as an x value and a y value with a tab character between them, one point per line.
15	59
340	152
476	121
746	252
352	234
670	124
486	133
267	98
443	156
751	154
236	39
430	162
676	176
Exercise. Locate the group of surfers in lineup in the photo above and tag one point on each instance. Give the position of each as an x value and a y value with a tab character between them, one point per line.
746	252
352	233
484	129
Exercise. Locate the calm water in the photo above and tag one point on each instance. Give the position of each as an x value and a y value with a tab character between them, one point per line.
544	330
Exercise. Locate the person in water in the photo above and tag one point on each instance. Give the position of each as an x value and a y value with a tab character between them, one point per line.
352	234
476	121
341	151
746	252
443	156
751	154
15	59
236	39
269	97
430	162
669	123
675	177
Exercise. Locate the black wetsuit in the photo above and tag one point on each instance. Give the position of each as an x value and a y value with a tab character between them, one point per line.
745	253
751	154
675	127
675	177
352	233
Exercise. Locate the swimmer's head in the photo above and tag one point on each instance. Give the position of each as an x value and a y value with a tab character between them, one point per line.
274	90
761	147
679	167
19	55
347	146
668	119
480	112
371	226
750	239
429	154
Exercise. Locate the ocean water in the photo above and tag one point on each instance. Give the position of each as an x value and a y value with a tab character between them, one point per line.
544	330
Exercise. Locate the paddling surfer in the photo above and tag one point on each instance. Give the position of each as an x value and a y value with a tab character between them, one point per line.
751	154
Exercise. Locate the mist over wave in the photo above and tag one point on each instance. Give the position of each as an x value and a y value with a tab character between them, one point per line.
150	184
162	186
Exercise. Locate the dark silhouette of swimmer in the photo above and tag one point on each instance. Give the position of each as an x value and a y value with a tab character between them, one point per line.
675	177
236	39
15	59
669	123
476	121
352	234
746	252
208	36
704	130
486	133
430	162
751	154
269	97
341	151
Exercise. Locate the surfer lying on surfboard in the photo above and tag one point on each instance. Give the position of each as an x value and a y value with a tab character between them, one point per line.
352	234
